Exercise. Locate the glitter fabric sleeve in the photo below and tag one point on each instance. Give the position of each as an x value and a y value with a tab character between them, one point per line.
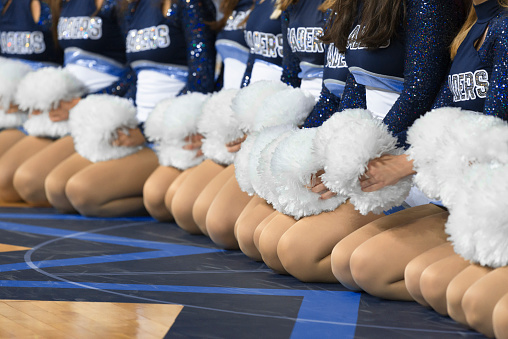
290	62
326	106
430	28
354	95
200	41
123	87
248	70
496	102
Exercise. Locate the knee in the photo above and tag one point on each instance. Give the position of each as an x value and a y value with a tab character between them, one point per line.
84	200
500	319
267	246
340	259
221	231
433	289
7	191
477	311
28	185
367	271
412	275
454	295
153	200
54	187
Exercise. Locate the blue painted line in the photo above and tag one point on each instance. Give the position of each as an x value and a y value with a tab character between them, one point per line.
109	239
178	250
70	217
323	314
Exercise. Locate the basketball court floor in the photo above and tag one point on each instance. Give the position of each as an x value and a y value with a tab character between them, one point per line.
67	276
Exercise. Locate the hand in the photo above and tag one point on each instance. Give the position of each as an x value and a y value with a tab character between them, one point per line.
13	109
195	141
234	146
129	137
318	187
61	113
385	171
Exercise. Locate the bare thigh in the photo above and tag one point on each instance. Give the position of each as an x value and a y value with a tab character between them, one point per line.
305	249
112	188
378	264
341	254
500	318
154	192
173	188
8	138
30	176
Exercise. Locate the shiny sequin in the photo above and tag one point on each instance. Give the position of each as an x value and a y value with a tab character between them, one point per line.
326	106
290	62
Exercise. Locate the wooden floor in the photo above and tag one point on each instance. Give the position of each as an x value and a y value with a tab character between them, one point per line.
67	276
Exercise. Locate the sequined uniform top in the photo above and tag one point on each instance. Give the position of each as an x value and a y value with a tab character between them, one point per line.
264	38
478	78
100	33
412	64
24	39
230	41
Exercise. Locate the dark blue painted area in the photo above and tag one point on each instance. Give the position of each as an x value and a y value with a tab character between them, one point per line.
225	294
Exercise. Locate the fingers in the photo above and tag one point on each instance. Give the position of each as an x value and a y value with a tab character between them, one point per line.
327	195
234	148
319	188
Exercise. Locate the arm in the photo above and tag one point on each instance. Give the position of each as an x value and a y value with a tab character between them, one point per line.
354	95
200	40
428	32
326	106
290	62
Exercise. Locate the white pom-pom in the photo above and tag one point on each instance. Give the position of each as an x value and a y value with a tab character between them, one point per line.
290	106
219	125
154	125
478	223
293	164
94	122
180	120
45	88
11	73
241	163
359	139
249	99
263	140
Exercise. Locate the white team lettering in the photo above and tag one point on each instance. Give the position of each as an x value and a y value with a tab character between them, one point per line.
148	38
22	42
79	27
306	39
237	20
354	44
334	58
468	86
265	44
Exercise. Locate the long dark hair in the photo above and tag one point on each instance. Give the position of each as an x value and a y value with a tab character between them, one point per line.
379	20
284	4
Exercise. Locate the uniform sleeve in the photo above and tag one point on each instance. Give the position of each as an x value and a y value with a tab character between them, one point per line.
123	87
200	42
354	95
290	62
326	106
430	28
496	102
444	97
248	70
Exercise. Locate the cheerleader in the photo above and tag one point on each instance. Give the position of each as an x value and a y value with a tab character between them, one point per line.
431	268
191	202
397	92
182	60
466	277
231	46
37	48
87	31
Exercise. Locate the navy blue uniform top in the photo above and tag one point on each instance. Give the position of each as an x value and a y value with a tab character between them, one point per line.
82	26
231	39
263	36
22	38
302	25
412	63
477	79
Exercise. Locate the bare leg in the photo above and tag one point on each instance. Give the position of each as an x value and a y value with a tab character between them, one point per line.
341	254
305	249
206	197
189	190
168	198
30	176
378	264
252	215
9	137
458	287
57	179
224	212
112	188
155	189
269	237
261	226
12	159
500	318
434	280
480	299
